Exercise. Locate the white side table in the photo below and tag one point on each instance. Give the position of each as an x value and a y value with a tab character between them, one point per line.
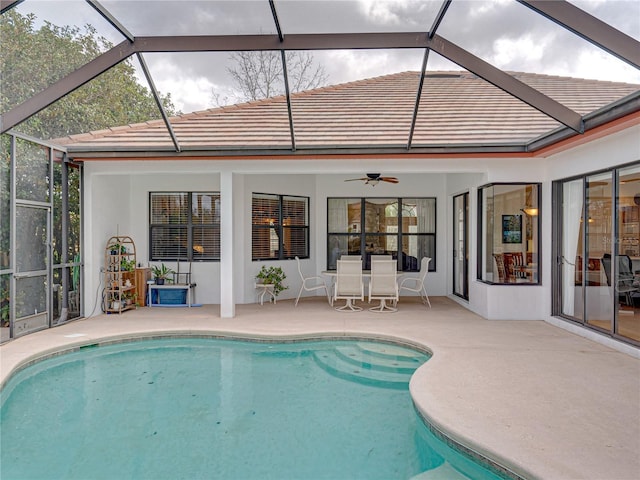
264	289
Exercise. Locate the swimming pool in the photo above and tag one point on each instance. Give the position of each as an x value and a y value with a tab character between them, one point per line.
213	408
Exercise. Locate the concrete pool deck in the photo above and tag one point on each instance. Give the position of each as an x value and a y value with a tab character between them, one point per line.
541	401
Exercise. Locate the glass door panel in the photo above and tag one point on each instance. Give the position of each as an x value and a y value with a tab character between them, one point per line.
572	265
461	245
599	288
627	280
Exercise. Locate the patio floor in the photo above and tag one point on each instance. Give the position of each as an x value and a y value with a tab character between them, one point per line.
541	401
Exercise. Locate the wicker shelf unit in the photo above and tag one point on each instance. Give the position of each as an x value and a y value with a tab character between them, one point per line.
119	275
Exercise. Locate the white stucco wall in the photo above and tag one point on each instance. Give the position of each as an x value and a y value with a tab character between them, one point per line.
117	192
117	203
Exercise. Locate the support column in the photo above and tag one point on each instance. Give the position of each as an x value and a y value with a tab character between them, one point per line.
227	300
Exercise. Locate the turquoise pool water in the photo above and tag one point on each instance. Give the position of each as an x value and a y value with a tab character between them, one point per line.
210	408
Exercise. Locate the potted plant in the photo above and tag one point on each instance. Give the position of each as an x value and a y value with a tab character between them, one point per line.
272	276
161	273
127	265
131	298
117	248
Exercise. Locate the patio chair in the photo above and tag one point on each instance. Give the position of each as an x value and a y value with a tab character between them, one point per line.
625	285
383	285
310	284
418	282
349	285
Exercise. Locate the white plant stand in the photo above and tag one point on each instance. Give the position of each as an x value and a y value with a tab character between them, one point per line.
264	289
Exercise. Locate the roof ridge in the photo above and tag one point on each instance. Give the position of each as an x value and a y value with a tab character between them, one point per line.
565	77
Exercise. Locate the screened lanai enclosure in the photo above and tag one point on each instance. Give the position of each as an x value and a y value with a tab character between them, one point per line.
488	112
43	194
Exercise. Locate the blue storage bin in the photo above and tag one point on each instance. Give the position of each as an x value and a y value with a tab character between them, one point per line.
170	296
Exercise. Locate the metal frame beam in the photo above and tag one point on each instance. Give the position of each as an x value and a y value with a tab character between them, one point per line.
111	19
275	20
509	84
66	85
6	5
288	96
439	17
292	42
589	28
156	96
283	57
205	43
416	107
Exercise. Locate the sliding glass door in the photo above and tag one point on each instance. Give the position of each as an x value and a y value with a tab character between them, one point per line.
598	248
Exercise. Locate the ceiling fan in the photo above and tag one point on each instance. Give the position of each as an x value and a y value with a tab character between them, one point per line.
373	179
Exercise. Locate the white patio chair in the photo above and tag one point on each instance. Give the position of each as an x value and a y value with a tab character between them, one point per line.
351	258
383	285
349	285
375	258
310	284
418	282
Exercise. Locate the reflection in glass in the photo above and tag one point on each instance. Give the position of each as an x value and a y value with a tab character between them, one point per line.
628	274
510	233
381	234
599	288
461	245
572	266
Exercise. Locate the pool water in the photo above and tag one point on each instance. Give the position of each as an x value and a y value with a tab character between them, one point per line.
211	408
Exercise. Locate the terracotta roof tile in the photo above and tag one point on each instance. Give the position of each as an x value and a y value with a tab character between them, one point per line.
455	108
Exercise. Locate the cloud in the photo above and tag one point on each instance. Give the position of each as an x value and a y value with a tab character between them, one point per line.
502	32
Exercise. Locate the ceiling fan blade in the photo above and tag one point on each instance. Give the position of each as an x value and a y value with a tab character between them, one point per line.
389	179
356	179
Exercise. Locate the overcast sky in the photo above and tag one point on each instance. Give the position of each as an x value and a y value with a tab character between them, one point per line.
502	32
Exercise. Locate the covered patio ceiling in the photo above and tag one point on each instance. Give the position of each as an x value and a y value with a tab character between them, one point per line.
319	36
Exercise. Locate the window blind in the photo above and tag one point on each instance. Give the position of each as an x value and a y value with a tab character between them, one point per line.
184	226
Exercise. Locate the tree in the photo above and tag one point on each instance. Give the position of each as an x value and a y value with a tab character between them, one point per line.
31	59
260	74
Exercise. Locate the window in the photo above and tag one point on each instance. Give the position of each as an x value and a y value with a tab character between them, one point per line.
184	226
509	233
404	228
280	227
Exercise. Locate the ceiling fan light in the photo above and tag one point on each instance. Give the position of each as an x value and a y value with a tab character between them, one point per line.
373	182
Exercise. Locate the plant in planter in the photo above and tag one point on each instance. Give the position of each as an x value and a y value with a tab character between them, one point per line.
117	248
127	265
161	273
131	298
273	276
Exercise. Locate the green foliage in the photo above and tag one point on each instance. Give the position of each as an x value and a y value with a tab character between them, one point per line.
5	304
274	276
116	248
32	59
127	265
161	271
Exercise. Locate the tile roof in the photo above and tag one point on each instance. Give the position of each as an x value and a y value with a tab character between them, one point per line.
456	108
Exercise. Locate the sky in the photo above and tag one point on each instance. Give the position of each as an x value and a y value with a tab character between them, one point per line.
502	32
